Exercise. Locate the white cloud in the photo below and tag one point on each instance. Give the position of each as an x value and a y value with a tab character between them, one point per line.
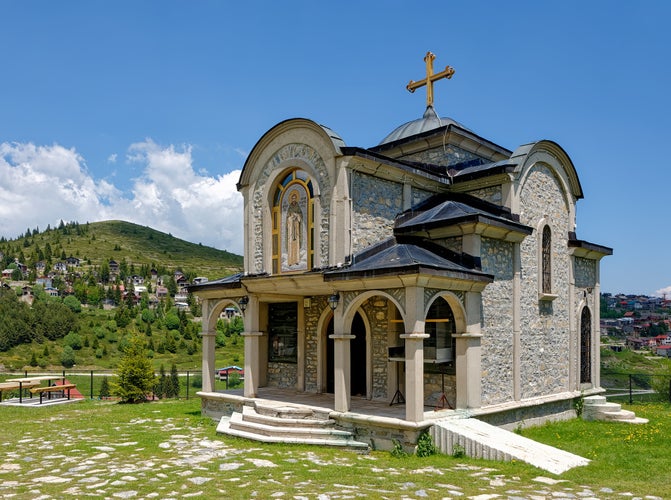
42	185
664	292
112	158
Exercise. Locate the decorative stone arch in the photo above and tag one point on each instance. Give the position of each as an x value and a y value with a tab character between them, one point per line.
288	157
455	304
212	308
353	302
549	155
215	309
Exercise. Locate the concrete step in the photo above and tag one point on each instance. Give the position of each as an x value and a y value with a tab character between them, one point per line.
294	412
241	422
271	428
482	440
597	408
271	419
350	443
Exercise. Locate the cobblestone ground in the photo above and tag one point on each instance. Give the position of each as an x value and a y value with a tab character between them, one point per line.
188	462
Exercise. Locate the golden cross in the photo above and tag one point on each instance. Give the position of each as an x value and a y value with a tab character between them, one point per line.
430	78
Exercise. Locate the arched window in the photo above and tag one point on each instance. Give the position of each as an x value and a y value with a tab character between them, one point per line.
585	346
293	223
440	325
546	257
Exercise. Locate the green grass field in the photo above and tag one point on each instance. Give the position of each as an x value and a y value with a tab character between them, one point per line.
167	450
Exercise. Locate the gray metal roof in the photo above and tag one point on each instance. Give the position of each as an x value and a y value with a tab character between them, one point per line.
452	212
393	257
429	121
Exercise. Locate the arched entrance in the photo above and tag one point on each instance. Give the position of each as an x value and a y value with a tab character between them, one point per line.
358	365
585	346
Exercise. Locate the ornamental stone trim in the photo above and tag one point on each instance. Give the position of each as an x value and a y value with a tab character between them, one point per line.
282	159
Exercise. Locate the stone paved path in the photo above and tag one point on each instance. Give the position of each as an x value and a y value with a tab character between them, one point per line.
191	463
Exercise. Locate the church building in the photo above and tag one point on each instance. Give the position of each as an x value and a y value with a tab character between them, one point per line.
435	269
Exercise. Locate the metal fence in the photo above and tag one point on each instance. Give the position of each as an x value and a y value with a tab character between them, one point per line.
90	383
636	387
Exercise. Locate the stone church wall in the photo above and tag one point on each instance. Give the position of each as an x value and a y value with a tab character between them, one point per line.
282	375
375	202
420	195
491	194
376	311
446	155
455	244
584	271
545	328
311	317
497	327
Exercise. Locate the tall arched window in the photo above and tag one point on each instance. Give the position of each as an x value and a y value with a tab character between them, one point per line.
440	325
585	346
293	223
546	257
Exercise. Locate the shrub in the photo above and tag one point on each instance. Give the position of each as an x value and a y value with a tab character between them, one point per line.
68	357
425	446
74	340
73	303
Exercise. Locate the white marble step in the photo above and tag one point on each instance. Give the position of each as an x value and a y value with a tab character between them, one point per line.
270	429
271	419
597	408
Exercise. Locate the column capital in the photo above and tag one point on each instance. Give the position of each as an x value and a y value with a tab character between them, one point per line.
252	334
208	333
414	336
467	335
342	337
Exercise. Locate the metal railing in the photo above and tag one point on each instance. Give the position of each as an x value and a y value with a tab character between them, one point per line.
636	387
90	382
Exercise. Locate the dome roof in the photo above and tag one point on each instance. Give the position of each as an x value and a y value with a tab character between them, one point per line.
429	121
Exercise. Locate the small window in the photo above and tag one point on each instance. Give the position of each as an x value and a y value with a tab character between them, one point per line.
547	261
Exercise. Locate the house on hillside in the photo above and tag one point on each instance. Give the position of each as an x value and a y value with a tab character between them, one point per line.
435	269
113	267
72	261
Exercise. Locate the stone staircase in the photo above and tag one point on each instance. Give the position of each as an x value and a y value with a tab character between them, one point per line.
282	423
482	440
597	408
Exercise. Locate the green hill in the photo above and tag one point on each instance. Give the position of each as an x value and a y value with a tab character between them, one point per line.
97	242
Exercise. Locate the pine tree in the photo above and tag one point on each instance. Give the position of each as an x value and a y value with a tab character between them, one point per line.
135	374
104	389
161	384
173	383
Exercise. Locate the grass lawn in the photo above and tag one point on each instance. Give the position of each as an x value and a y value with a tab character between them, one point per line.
166	449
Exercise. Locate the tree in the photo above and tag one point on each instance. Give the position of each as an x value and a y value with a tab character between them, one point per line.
104	389
73	303
68	357
135	374
162	384
172	391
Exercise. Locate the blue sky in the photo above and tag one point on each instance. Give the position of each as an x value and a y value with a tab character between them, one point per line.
145	111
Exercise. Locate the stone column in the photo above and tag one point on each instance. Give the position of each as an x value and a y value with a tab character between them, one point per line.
414	354
341	362
208	335
252	337
517	324
469	356
596	328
